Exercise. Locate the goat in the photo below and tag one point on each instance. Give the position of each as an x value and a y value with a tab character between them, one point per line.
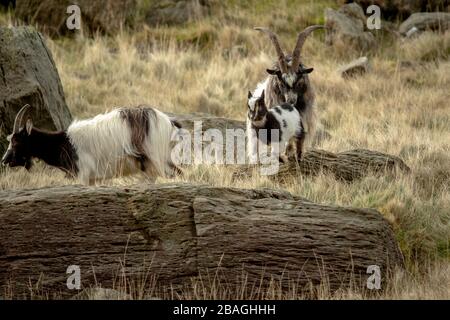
118	143
288	82
284	118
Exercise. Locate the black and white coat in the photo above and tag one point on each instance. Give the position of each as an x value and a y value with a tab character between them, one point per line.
261	121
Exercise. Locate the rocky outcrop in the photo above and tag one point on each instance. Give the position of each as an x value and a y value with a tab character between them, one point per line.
51	15
100	294
422	21
172	12
174	233
346	29
28	75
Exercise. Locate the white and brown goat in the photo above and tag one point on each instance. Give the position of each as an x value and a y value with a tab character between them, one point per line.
288	82
118	143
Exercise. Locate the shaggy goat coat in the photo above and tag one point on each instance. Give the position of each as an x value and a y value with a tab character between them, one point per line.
121	142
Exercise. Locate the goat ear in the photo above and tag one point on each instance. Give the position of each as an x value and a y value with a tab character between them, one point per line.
274	72
29	126
261	101
250	94
308	70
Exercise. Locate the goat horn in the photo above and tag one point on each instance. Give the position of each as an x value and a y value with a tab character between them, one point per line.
300	41
273	37
18	122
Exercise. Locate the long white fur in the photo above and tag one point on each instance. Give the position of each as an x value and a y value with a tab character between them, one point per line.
293	127
104	148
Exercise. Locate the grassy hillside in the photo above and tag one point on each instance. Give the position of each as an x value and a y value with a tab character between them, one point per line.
401	107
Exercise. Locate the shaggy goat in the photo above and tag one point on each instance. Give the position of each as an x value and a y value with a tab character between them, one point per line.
288	82
284	118
121	142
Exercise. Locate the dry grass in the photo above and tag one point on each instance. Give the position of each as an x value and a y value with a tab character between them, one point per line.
400	108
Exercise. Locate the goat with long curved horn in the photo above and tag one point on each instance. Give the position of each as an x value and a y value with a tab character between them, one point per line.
289	84
281	57
20	117
300	42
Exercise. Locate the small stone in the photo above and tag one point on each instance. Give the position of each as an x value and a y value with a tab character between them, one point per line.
354	68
